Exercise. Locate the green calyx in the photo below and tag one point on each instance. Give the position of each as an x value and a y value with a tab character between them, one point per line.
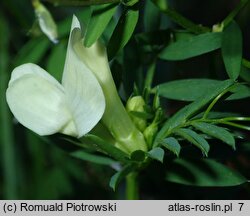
115	118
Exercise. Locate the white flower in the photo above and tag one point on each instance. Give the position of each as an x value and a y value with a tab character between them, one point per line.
42	104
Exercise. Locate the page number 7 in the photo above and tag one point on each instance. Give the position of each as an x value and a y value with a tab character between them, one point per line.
241	205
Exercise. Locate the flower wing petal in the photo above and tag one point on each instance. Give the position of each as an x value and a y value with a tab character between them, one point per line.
84	93
30	68
37	100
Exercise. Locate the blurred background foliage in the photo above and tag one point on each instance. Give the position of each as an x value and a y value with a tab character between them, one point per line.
38	168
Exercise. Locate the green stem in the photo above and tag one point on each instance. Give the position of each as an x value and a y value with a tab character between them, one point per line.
211	105
81	2
150	75
132	190
149	80
8	156
221	120
236	125
185	23
225	121
238	118
181	20
236	10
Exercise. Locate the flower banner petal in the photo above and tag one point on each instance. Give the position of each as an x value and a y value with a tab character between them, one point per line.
84	93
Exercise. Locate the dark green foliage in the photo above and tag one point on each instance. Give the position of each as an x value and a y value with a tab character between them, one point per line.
188	111
101	16
215	131
152	17
187	89
232	50
194	46
192	89
123	32
172	145
194	138
203	172
157	154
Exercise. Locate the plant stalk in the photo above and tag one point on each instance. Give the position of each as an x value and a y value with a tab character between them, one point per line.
211	105
132	189
236	10
180	19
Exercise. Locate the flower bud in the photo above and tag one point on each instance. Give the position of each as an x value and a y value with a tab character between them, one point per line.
46	21
218	27
149	134
137	104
